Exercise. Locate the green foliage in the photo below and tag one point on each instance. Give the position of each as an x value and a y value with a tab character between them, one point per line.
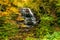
13	16
58	3
45	25
48	11
11	1
31	38
58	21
2	20
54	36
46	17
7	29
58	15
3	7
